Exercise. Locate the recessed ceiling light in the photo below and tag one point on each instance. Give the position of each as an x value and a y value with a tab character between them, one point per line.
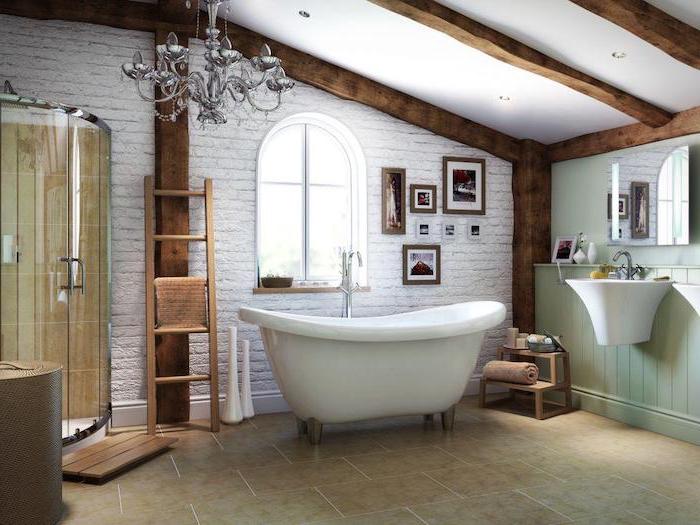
504	98
304	14
619	54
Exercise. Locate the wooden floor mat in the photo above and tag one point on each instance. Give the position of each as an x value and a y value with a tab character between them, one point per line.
102	461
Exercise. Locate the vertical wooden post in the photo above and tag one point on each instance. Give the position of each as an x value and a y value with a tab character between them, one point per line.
172	149
532	196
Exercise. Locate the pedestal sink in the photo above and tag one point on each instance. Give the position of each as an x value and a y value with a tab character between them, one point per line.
622	311
691	292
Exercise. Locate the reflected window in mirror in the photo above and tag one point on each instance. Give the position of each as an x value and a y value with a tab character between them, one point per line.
673	199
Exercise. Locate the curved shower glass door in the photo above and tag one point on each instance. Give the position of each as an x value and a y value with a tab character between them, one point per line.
55	237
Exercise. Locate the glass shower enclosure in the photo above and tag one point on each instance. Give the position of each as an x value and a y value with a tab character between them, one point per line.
55	251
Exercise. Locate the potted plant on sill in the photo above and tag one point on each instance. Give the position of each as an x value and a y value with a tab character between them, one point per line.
276	281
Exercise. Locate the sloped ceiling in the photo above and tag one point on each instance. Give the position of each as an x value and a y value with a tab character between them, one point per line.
431	66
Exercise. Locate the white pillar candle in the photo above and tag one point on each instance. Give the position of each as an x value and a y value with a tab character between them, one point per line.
233	413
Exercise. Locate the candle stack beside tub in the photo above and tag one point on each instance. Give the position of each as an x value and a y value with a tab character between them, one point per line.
516	339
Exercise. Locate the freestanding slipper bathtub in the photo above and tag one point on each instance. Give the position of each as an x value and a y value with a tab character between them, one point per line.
336	370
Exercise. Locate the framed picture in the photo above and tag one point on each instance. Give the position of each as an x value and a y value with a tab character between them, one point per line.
463	186
393	201
423	198
623	206
423	229
449	231
474	230
640	210
564	249
421	264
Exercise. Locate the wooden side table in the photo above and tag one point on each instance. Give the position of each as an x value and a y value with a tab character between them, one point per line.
553	383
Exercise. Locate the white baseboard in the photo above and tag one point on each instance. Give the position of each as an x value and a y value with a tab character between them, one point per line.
133	413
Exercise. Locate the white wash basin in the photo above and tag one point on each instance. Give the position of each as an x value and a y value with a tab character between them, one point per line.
622	311
691	292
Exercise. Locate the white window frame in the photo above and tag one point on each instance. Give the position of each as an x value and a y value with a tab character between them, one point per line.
358	190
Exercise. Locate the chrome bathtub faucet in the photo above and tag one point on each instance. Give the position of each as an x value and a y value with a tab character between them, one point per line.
346	285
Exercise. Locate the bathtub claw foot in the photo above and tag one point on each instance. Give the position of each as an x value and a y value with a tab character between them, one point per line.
302	427
315	428
448	418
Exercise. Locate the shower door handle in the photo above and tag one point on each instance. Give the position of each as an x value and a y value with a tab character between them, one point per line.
82	274
69	261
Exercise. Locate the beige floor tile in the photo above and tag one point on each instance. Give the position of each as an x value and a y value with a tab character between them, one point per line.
385	494
281	508
495	509
486	478
333	446
385	464
680	512
495	450
82	501
598	497
619	518
300	475
674	482
416	434
390	517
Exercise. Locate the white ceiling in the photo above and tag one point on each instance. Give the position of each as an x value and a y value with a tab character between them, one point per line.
427	64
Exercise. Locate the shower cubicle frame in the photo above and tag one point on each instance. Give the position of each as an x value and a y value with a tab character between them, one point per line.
10	97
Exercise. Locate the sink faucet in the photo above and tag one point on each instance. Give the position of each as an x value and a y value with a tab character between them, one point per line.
630	270
346	286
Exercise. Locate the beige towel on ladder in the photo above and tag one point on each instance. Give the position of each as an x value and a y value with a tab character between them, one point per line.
181	302
511	372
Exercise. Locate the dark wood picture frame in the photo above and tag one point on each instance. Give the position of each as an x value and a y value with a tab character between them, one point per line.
415	188
446	187
424	247
625	197
389	175
638	189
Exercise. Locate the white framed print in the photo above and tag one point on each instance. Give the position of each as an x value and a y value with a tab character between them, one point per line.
463	186
564	248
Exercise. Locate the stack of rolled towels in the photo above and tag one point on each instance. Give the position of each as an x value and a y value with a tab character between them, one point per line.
511	372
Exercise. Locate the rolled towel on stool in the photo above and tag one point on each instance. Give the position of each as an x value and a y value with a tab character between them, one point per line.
511	372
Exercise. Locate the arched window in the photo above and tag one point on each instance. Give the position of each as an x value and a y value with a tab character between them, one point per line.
311	199
673	199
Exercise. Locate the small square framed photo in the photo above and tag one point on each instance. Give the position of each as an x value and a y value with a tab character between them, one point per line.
449	231
564	248
623	206
421	264
423	198
474	231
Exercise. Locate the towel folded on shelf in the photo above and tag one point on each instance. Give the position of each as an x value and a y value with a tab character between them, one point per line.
511	372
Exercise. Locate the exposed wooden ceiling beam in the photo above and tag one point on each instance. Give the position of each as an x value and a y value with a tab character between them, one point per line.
683	123
352	86
674	37
122	14
515	53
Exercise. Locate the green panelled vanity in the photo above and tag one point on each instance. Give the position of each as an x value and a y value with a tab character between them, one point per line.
653	385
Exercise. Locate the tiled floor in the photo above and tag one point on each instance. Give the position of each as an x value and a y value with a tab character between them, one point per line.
494	468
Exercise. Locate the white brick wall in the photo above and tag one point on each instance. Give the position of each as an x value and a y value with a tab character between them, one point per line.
81	67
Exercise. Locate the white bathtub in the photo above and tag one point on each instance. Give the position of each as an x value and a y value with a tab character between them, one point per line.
333	370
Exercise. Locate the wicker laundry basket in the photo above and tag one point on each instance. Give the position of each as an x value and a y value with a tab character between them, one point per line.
30	443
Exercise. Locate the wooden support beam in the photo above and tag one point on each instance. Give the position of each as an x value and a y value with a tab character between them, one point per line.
532	194
122	14
515	53
351	86
172	146
672	36
683	123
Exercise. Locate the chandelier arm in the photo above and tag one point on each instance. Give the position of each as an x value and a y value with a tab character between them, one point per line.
263	108
171	96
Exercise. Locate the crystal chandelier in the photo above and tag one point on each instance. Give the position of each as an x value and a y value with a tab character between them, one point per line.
227	77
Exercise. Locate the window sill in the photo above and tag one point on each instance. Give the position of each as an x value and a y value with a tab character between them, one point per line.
304	289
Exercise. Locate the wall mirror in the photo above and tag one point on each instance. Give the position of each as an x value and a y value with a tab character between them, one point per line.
648	196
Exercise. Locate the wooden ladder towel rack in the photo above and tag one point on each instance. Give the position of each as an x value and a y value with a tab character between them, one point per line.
152	330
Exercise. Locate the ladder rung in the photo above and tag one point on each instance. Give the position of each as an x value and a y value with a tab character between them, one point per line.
179	237
175	331
181	379
178	193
